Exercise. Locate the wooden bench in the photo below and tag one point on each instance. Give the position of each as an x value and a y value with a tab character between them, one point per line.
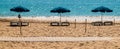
54	23
65	23
108	23
97	23
19	23
14	23
24	24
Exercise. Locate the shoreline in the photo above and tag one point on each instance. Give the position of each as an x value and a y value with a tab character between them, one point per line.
80	19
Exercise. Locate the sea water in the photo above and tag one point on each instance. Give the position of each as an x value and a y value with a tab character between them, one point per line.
43	7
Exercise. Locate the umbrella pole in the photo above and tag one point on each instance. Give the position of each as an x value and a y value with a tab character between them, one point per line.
60	17
66	18
19	16
101	17
85	25
114	21
75	23
20	27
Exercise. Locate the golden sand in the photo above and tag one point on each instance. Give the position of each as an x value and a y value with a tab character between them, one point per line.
44	29
61	45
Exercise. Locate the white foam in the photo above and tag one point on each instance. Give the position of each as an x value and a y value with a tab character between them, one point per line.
70	18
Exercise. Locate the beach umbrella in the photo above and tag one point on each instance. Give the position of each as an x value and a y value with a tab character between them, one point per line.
19	9
60	10
102	9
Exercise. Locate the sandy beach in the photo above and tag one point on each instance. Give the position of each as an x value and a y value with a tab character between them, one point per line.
42	28
61	45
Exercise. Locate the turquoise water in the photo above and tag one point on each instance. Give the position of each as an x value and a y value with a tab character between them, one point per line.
43	7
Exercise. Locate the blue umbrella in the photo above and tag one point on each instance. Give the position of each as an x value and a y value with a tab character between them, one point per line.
60	10
102	9
19	9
